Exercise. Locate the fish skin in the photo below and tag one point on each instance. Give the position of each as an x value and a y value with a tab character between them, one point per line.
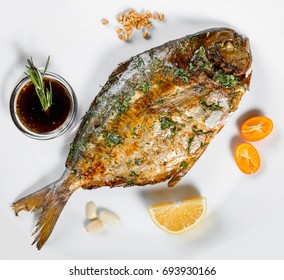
152	120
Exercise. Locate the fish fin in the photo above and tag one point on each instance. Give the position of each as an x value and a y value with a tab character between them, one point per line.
247	79
51	200
169	102
177	177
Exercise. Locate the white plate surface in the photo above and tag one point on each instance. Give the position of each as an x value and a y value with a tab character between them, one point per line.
245	213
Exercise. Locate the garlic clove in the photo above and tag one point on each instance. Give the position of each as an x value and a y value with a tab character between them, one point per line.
95	226
109	218
91	210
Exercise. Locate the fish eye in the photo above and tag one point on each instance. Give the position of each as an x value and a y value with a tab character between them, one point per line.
229	47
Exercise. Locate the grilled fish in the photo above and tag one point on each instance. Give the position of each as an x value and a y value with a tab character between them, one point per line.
151	121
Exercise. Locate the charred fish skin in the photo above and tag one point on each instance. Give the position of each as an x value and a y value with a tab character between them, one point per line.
157	104
152	120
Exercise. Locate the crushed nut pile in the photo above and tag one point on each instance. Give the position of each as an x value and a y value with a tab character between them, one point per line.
131	20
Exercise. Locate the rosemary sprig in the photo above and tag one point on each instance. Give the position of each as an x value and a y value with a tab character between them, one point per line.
44	94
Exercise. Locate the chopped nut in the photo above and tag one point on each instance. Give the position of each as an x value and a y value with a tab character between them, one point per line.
149	14
129	32
126	38
156	16
145	34
162	16
127	27
104	21
131	20
149	25
119	18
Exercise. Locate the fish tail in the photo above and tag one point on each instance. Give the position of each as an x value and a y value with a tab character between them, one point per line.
51	200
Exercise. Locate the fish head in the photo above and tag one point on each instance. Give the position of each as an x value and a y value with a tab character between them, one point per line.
229	51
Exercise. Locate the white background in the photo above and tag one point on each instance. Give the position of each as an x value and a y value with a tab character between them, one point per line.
245	213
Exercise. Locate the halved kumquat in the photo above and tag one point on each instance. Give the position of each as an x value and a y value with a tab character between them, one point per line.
178	217
247	158
256	128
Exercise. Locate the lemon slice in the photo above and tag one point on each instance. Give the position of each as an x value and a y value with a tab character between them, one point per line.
178	217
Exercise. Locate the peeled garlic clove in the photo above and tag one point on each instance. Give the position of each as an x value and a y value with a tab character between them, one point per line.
109	218
95	226
91	210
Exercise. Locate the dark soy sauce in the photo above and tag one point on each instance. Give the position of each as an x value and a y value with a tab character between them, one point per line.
31	114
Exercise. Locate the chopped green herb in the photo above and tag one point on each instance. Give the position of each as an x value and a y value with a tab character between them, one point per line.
111	78
159	82
167	69
130	182
234	94
73	149
199	88
137	161
160	101
133	174
129	86
184	49
215	107
121	107
180	73
191	67
138	62
168	123
226	80
106	86
134	132
82	145
157	62
183	164
212	106
197	131
145	87
129	161
190	141
113	138
200	61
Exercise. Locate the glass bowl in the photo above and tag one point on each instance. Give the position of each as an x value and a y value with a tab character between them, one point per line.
27	127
